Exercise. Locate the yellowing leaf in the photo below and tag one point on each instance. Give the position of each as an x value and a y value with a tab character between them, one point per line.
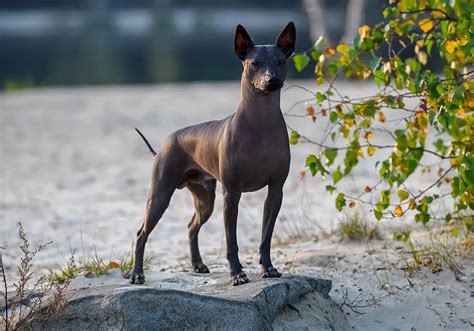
364	31
371	150
403	195
114	265
398	211
345	131
349	122
359	152
426	25
461	111
463	41
381	117
342	48
310	110
412	205
450	46
421	114
330	51
368	135
303	175
402	6
420	43
453	162
437	14
470	103
422	57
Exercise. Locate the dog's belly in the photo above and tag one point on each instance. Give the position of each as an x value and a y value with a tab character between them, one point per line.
251	186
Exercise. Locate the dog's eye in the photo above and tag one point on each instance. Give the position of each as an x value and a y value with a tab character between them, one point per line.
281	62
255	63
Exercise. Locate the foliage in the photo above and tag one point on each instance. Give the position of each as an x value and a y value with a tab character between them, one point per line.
395	54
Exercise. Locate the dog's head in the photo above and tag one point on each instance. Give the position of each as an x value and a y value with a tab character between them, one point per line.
265	65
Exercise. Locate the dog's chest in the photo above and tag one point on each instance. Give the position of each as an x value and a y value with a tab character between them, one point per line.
258	159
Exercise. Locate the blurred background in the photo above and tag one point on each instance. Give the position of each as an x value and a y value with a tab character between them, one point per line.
83	42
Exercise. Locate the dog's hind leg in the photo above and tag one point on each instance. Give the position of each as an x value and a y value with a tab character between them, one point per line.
204	196
165	179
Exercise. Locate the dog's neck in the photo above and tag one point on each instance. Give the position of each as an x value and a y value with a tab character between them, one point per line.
260	109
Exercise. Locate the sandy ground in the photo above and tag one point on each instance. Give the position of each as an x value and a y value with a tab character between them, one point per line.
74	172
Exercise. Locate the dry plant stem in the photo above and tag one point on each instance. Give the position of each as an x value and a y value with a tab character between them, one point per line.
4	293
28	302
356	304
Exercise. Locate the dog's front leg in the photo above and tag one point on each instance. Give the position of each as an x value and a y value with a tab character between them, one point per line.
270	213
231	205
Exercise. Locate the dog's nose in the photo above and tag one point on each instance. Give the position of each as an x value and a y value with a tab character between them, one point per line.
273	80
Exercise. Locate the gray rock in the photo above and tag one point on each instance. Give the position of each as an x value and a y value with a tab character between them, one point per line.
262	304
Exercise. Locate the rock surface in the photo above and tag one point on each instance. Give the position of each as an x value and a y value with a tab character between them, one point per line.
286	303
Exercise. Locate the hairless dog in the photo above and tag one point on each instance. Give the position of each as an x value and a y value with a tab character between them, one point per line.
244	152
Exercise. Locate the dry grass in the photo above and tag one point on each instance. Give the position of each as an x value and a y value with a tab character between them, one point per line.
441	252
29	298
355	227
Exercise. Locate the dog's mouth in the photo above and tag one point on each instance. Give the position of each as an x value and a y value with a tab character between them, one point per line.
272	87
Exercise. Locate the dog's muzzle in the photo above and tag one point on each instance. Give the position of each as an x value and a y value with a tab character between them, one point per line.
273	85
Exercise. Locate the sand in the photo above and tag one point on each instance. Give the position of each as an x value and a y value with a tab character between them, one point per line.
73	171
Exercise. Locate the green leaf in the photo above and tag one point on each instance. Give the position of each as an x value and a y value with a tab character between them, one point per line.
403	195
422	217
301	61
333	116
378	215
311	159
315	165
337	175
330	188
320	97
332	69
330	156
374	63
294	137
385	199
340	201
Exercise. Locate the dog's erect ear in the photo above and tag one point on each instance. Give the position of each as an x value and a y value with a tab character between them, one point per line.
287	39
243	43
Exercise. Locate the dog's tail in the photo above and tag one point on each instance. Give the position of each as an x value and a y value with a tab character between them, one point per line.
152	151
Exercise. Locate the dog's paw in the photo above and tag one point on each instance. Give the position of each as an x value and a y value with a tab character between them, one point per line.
270	272
239	279
201	268
137	278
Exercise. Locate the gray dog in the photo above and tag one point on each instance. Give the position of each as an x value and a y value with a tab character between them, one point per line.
245	152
